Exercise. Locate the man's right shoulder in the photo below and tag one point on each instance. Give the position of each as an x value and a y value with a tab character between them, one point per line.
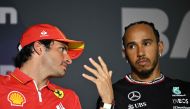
4	78
122	82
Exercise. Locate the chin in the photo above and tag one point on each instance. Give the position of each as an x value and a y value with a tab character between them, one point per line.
61	73
145	73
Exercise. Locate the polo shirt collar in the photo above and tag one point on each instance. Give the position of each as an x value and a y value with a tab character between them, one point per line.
20	76
24	79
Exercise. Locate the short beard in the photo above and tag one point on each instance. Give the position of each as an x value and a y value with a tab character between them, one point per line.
144	74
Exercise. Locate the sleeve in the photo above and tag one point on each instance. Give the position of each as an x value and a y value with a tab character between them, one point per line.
98	103
77	103
71	100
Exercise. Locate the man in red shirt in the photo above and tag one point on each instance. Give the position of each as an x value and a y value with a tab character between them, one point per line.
44	52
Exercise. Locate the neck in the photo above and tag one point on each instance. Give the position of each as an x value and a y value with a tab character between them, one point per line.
34	71
153	76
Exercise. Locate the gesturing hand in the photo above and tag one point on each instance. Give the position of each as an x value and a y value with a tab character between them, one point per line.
102	79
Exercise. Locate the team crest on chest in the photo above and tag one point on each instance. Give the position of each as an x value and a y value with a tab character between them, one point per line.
16	98
59	93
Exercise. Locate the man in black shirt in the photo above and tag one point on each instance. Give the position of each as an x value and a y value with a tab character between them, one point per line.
145	87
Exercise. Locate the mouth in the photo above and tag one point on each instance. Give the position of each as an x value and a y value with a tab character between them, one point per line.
64	66
142	61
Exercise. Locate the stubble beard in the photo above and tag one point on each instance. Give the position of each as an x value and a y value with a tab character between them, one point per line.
144	74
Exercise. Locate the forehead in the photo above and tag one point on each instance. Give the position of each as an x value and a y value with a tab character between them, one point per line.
139	32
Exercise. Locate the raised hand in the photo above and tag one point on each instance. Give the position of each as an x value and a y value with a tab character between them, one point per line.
102	79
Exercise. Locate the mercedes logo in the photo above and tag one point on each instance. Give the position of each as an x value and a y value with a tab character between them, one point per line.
134	96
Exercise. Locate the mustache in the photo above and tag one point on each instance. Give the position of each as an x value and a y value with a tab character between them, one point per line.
140	59
64	64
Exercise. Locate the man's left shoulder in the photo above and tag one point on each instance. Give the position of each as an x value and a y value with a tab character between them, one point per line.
177	81
182	82
184	85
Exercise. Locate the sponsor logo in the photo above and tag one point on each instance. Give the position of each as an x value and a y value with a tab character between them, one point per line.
134	96
179	98
60	106
180	101
137	105
178	107
44	33
177	92
16	98
59	93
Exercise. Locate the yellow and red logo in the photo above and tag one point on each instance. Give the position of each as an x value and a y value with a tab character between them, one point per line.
59	93
16	98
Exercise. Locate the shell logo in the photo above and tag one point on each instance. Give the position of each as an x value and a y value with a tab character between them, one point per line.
16	98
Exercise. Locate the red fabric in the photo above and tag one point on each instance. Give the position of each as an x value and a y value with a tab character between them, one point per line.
18	91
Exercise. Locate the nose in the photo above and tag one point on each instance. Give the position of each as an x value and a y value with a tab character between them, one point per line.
67	58
140	51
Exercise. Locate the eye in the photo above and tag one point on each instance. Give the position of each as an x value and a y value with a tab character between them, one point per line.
63	49
147	43
131	46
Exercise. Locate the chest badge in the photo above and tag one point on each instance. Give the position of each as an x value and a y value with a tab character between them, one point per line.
176	90
59	93
16	98
134	96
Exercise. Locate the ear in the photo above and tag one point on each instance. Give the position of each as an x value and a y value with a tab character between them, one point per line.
161	47
38	47
123	53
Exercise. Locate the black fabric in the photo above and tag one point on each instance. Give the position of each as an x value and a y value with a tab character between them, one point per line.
166	94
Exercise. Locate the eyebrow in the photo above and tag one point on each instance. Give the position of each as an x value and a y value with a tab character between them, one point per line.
63	43
133	42
130	43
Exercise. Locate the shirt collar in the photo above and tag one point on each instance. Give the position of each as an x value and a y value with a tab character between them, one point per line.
20	76
156	80
51	86
23	78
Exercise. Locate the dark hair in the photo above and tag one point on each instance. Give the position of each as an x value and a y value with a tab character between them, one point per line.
143	22
27	51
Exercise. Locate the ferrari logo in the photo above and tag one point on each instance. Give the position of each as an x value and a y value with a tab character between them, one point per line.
59	93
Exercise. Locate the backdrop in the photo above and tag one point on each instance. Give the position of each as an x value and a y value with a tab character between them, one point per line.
100	24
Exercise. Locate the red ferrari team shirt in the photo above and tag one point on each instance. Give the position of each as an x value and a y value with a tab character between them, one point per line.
18	91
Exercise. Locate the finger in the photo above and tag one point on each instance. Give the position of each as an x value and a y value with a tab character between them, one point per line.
103	64
94	63
110	73
97	66
90	78
94	72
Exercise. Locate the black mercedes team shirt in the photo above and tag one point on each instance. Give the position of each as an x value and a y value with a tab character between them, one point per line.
162	93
